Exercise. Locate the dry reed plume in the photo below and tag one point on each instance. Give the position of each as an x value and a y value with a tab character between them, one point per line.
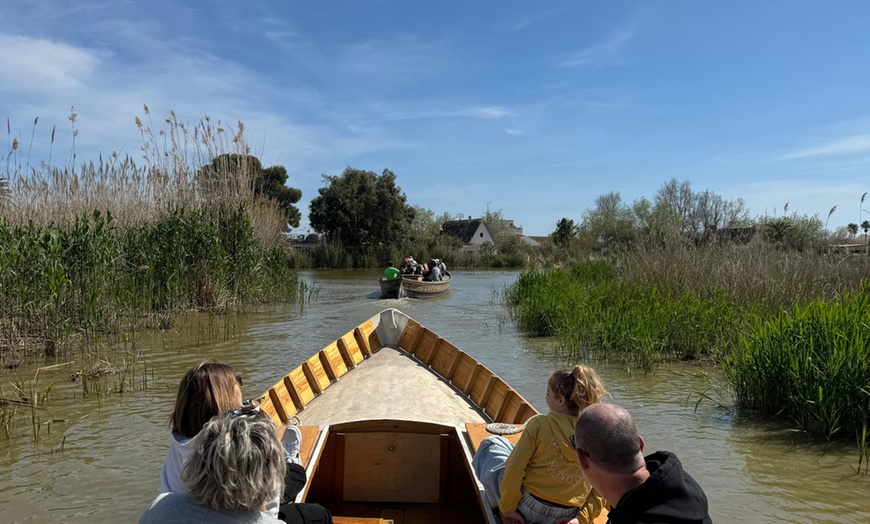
165	179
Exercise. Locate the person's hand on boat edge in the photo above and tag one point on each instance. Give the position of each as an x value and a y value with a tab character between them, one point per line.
514	517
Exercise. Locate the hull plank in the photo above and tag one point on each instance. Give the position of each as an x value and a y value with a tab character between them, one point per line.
415	287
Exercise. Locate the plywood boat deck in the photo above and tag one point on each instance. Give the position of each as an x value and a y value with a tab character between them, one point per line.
391	385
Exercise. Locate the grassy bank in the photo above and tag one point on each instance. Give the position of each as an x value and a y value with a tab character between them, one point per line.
790	328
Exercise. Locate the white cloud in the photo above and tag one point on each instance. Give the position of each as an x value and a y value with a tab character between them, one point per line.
38	64
841	146
522	23
601	53
381	60
490	112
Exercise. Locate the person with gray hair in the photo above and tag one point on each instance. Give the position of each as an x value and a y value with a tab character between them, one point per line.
651	489
238	465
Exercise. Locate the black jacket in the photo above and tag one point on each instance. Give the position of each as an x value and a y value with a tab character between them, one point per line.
669	496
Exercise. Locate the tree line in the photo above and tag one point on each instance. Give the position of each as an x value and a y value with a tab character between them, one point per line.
677	214
363	219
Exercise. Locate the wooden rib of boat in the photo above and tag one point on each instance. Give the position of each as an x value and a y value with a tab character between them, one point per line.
391	288
414	286
390	415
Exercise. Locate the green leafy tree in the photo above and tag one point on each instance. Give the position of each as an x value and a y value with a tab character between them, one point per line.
853	229
610	223
566	231
498	227
272	183
365	212
657	224
426	238
425	224
233	171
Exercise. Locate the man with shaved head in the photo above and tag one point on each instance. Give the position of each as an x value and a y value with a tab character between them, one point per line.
652	489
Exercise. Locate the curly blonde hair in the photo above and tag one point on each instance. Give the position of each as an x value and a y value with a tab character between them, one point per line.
580	386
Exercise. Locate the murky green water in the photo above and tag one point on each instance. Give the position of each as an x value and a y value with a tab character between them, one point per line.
113	447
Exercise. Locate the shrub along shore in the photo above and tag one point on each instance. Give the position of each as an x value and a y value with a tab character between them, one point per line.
791	330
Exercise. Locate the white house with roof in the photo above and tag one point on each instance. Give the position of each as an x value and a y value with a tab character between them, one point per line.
473	232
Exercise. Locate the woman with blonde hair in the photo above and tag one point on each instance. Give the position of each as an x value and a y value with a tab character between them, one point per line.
208	390
236	466
539	480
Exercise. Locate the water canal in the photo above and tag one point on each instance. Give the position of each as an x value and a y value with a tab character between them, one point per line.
99	461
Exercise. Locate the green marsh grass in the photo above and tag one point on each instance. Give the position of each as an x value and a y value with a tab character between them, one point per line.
90	254
811	365
591	310
791	329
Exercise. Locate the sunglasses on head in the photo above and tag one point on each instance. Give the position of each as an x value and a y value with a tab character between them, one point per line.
249	408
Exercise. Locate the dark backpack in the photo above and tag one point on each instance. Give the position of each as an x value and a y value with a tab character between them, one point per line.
305	513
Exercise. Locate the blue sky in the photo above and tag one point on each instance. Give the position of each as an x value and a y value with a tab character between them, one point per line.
531	108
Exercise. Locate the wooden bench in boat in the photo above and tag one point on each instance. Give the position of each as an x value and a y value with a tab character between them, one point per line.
477	432
355	520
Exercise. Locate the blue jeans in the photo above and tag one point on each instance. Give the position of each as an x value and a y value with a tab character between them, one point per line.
488	464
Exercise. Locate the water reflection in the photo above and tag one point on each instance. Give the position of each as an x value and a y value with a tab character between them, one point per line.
113	447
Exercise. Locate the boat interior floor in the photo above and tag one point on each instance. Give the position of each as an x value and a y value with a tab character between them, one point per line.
410	513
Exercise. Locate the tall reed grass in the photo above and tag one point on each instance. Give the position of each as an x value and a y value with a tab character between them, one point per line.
791	328
90	253
591	309
810	364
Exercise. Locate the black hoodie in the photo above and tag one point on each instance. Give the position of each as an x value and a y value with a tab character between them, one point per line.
668	496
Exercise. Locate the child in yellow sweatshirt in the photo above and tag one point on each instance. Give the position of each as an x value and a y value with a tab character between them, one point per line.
539	480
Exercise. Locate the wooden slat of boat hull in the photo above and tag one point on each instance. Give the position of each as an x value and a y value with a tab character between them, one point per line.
422	289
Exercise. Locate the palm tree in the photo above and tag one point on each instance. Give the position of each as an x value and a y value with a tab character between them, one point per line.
776	230
853	228
865	225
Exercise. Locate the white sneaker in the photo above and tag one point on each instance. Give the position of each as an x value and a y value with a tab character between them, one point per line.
292	441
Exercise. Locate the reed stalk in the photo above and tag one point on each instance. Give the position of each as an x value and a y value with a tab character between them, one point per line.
91	253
